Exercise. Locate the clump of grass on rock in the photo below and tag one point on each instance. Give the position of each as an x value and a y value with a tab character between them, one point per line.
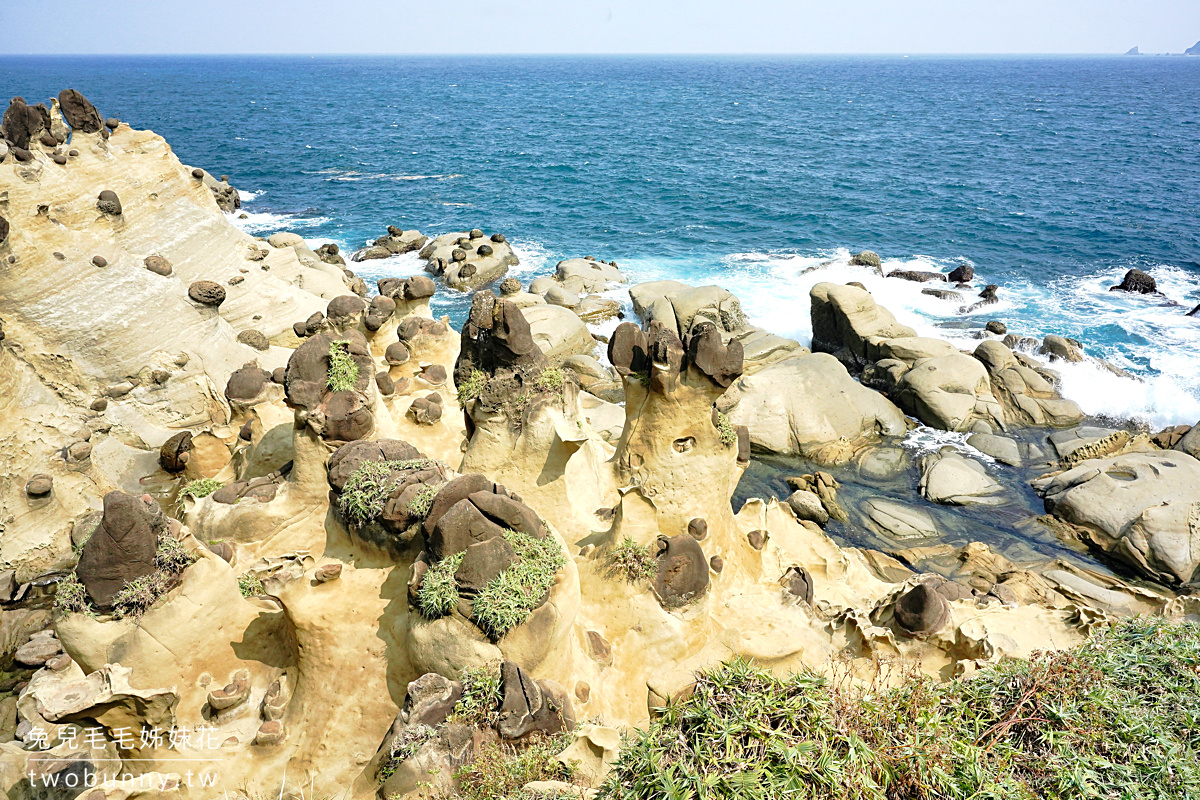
439	593
508	599
1116	717
367	490
343	371
631	561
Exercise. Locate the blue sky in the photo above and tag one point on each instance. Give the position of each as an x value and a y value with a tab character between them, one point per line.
610	26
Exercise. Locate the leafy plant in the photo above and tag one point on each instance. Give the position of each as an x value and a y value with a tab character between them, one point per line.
480	701
499	771
199	488
725	429
136	596
1115	717
343	370
369	487
403	747
508	599
439	592
171	556
550	381
71	597
250	585
422	501
631	561
472	387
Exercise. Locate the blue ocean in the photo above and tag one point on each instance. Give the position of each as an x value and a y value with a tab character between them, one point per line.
1051	175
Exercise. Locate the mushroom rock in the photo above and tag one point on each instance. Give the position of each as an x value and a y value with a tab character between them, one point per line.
349	457
333	415
345	306
122	549
174	454
256	339
922	610
112	123
396	353
425	411
720	362
247	383
385	384
109	203
495	335
207	293
78	111
682	571
39	485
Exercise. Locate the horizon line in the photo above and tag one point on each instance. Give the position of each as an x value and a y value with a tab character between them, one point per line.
577	54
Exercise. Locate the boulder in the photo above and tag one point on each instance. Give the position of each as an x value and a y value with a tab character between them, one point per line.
109	203
79	113
963	273
122	549
921	610
810	406
1141	508
1060	348
1025	394
39	485
808	506
682	574
867	258
916	275
558	332
846	322
247	383
529	707
256	339
158	265
1001	448
175	452
951	479
587	276
1136	281
950	392
23	124
896	520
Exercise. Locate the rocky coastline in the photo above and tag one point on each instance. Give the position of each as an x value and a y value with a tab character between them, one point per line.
327	544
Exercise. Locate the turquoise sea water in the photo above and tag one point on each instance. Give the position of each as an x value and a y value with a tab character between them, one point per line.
1051	175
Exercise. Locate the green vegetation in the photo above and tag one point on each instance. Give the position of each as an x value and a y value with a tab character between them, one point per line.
439	593
136	596
343	371
368	488
250	585
70	597
199	488
422	501
480	701
550	381
1116	717
508	598
631	561
726	430
404	747
472	387
499	771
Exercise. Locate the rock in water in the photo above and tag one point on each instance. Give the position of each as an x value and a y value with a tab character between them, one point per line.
1136	281
867	258
121	550
79	112
961	274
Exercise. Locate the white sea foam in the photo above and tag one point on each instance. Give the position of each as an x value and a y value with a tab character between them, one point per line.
265	222
247	196
922	440
1146	335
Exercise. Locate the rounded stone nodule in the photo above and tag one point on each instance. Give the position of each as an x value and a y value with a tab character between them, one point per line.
109	203
39	485
207	293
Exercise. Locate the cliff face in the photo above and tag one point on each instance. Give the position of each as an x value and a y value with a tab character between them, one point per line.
1194	50
269	520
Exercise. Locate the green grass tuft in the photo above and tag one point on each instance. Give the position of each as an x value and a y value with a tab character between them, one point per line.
71	597
418	507
171	557
550	381
472	387
480	701
439	593
404	747
199	488
499	771
509	598
136	596
343	371
250	585
367	490
631	561
1116	717
726	430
